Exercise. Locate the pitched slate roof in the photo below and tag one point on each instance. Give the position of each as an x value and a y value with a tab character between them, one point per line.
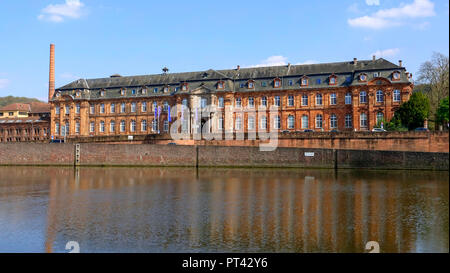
235	79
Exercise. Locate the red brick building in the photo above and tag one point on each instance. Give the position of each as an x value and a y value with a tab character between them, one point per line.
345	96
25	122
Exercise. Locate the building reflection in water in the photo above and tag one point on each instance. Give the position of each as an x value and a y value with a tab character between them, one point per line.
224	210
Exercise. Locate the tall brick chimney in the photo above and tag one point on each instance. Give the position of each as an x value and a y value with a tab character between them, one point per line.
51	78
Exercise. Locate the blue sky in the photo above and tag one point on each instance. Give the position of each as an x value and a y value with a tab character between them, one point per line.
97	38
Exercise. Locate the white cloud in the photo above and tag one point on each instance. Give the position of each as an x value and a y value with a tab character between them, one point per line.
272	61
307	62
391	52
3	83
373	2
395	16
277	61
353	8
59	12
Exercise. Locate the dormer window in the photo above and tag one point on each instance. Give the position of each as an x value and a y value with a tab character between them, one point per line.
58	94
250	84
102	93
363	77
220	85
122	92
332	80
166	89
277	83
133	92
396	76
155	90
78	94
304	81
184	87
144	91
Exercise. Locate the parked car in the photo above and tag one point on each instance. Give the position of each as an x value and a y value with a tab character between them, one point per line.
308	130
378	130
421	129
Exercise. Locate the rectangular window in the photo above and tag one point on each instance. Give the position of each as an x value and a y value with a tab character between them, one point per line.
92	109
166	126
238	102
67	109
57	128
251	102
144	107
112	126
290	100
333	99
102	108
291	83
264	101
122	107
348	98
133	107
221	104
348	121
220	123
57	110
304	100
113	108
77	127
91	127
277	101
318	81
77	108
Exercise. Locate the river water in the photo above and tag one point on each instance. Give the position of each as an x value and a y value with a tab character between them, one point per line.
222	210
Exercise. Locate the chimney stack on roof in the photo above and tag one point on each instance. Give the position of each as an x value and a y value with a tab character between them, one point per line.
51	80
374	58
355	61
400	63
238	67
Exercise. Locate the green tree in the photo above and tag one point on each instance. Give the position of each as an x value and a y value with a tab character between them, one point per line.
411	114
443	111
433	80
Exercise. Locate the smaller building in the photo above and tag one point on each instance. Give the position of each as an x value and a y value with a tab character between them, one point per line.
25	122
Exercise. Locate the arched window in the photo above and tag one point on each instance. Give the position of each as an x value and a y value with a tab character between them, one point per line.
319	99
363	120
363	97
220	123
133	126
396	96
238	123
380	96
333	121
154	125
319	121
305	122
277	122
263	122
251	123
122	125
291	122
380	117
102	126
144	125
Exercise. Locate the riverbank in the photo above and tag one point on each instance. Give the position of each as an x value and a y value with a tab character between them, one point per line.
93	154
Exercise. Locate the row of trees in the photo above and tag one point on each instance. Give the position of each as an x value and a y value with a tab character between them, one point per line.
430	99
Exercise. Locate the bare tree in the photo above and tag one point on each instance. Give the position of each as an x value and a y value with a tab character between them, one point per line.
435	73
